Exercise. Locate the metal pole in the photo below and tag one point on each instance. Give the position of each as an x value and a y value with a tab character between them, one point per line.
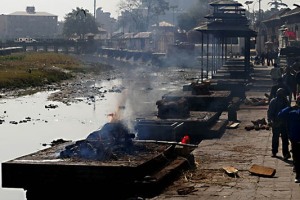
259	11
95	9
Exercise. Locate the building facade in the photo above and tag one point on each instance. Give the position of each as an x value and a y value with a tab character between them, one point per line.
282	29
28	23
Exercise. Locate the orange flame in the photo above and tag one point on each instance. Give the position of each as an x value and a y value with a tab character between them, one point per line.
114	117
118	114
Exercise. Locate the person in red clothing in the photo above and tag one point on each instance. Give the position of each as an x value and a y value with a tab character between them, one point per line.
291	115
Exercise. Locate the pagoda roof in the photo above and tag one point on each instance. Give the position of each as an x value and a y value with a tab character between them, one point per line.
277	15
295	11
226	30
225	3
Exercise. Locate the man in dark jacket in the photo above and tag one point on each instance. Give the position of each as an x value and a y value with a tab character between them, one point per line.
280	84
279	127
292	116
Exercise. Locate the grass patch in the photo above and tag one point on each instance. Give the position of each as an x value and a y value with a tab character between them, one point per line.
23	70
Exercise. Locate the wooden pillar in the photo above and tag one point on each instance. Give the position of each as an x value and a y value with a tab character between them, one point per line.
207	54
226	39
202	55
247	54
222	40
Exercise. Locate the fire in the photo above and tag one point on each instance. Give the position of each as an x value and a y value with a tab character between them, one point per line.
118	114
113	117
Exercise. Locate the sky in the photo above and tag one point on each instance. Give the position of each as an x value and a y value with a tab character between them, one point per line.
62	7
58	7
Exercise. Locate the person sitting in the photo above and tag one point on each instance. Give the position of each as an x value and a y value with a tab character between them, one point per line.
275	73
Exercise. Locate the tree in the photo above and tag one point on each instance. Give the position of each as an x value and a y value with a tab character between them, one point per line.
132	16
142	12
79	22
154	8
194	15
277	4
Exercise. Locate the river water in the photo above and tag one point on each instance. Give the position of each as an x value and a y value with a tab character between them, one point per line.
27	124
70	122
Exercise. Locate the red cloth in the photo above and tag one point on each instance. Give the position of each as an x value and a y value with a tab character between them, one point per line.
185	140
290	34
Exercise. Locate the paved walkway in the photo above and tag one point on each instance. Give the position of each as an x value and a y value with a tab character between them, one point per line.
241	149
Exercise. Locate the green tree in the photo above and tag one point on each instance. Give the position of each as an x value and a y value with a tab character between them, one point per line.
79	22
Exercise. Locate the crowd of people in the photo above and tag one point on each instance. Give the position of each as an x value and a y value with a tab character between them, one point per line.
284	115
268	58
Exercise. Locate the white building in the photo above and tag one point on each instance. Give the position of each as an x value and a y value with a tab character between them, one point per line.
28	23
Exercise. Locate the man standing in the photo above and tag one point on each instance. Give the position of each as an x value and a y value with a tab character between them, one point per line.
276	73
280	84
289	78
279	126
292	117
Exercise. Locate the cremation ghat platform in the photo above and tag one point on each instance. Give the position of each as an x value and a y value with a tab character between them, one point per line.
45	176
215	101
199	125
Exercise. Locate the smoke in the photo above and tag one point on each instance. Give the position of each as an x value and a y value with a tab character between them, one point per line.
138	99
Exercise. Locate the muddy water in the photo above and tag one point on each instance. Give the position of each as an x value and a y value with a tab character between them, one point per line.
28	124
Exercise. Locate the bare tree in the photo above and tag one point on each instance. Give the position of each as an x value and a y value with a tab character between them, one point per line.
143	12
132	15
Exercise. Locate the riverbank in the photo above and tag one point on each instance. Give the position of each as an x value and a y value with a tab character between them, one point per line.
27	73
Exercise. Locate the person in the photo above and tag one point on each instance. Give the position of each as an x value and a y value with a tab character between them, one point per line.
292	116
280	84
269	58
262	58
289	78
275	73
296	65
279	127
256	60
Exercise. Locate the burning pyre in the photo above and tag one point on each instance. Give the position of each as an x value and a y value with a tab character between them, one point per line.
101	144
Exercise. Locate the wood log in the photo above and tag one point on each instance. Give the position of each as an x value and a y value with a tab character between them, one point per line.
262	171
166	142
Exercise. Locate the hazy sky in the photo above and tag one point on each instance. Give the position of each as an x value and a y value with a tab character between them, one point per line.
62	7
58	7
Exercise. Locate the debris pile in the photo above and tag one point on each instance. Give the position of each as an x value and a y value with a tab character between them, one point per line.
173	109
256	101
258	125
200	88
